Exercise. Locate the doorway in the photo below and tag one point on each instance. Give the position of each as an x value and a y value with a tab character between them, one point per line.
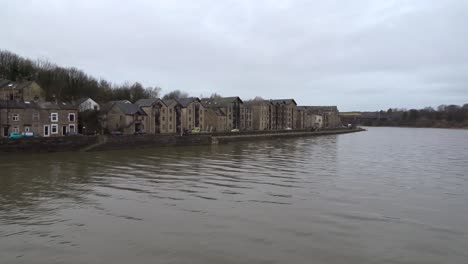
46	130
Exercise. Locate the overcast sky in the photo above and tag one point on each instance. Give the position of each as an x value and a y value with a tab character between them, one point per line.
359	55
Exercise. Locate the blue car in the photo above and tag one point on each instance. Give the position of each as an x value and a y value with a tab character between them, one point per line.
15	135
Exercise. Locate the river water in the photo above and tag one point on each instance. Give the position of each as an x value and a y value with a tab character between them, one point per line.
388	195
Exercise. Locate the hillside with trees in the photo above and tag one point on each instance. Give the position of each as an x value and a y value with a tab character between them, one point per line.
69	83
445	116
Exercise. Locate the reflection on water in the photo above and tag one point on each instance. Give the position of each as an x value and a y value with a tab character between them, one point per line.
389	195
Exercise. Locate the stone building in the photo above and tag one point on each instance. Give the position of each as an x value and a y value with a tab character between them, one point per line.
300	119
260	114
158	115
285	112
21	91
47	119
323	116
231	106
123	116
174	117
192	113
215	120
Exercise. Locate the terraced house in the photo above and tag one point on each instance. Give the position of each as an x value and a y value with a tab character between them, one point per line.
47	119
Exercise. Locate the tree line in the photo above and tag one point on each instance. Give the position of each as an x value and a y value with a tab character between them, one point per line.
69	83
444	116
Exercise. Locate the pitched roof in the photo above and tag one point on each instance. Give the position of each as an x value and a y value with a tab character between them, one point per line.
285	101
11	104
220	101
218	111
319	109
257	102
125	106
130	109
148	102
184	102
7	84
82	100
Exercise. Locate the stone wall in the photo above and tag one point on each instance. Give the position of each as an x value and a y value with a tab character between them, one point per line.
52	144
151	141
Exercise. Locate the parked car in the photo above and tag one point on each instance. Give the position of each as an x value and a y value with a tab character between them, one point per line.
15	135
288	128
116	133
30	134
235	130
196	130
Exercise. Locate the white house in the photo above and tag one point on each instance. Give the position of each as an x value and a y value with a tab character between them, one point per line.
85	104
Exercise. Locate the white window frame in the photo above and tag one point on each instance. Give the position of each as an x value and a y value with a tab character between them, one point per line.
15	117
70	128
52	115
74	117
27	129
15	129
52	129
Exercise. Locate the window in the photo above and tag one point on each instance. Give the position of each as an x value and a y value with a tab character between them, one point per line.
71	117
190	119
170	110
27	129
15	117
163	118
15	129
71	128
170	118
53	118
35	116
190	111
54	129
170	127
163	110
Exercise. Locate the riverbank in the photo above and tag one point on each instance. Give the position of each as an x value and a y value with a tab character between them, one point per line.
106	142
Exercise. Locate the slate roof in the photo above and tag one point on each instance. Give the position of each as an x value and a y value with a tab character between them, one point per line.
11	104
319	109
218	111
148	102
81	100
169	102
7	84
184	102
125	106
219	102
285	101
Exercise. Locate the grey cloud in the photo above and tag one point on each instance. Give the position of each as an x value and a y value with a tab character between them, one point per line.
356	54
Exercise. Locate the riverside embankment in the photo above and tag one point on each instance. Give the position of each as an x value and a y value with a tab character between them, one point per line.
106	142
